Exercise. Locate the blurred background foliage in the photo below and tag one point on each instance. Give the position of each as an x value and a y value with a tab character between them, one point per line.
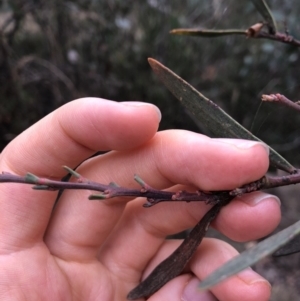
52	52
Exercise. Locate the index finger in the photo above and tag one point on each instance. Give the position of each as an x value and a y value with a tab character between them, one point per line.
65	137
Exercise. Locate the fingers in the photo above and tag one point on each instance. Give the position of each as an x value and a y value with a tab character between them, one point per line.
220	164
66	137
145	229
142	231
249	217
212	253
163	161
183	287
246	285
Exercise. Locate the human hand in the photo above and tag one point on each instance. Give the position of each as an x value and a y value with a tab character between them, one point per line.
87	250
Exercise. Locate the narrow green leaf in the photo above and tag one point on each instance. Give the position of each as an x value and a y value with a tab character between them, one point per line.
265	11
291	247
208	33
210	114
251	256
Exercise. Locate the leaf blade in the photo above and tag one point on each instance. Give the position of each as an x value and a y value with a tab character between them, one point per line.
291	247
265	11
251	256
219	122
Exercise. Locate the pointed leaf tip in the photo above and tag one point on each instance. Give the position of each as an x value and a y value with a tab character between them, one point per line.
209	113
153	63
251	256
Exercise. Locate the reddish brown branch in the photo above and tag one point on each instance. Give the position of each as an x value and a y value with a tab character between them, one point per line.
282	100
174	264
268	182
153	196
279	37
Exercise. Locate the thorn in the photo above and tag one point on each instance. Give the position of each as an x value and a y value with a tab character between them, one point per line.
42	187
31	178
140	181
97	197
72	172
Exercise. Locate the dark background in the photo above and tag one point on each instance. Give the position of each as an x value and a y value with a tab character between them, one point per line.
52	52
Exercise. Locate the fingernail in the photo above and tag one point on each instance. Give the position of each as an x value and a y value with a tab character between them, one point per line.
254	198
251	277
139	104
192	292
245	144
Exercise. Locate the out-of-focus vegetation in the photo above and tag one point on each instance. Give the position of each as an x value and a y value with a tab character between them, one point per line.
54	51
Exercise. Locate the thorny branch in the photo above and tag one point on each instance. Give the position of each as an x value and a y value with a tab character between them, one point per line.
153	196
175	263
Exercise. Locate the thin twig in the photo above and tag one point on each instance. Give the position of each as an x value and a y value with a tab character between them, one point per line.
279	37
175	263
153	196
282	100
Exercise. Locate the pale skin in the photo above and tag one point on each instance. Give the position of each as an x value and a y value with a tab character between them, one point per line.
90	250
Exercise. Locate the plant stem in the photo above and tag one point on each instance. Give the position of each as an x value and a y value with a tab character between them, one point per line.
282	100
